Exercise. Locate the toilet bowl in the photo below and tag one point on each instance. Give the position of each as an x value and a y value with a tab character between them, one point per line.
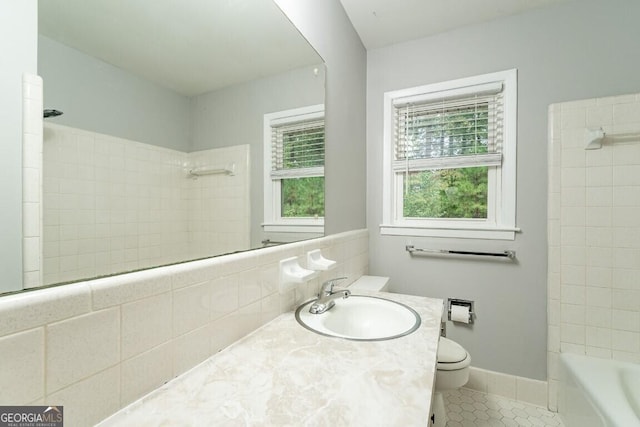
453	365
452	373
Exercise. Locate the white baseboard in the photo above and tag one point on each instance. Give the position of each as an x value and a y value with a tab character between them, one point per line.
512	387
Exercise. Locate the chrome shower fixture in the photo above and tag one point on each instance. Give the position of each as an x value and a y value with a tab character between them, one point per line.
52	113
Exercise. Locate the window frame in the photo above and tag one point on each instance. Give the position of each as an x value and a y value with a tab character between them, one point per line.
501	204
273	220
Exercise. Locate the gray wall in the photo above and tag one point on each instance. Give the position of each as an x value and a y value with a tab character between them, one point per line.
571	51
327	27
99	97
18	44
235	115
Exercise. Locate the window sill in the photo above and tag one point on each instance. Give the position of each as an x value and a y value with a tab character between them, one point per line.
293	228
488	233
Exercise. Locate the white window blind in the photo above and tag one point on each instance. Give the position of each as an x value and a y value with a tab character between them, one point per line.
449	129
297	149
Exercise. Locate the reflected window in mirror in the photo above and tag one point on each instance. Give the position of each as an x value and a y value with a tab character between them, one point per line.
294	170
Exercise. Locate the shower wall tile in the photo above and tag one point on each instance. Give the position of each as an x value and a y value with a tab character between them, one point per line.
32	193
98	200
219	218
598	286
114	205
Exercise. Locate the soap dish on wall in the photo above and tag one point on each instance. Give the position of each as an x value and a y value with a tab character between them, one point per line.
315	261
292	273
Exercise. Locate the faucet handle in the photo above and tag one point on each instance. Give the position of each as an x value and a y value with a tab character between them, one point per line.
327	287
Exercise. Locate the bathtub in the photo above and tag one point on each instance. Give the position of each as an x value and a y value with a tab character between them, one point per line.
598	392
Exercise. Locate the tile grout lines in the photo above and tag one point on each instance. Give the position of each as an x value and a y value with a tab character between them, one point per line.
469	408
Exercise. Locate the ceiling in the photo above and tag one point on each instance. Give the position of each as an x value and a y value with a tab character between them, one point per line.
385	22
196	46
189	46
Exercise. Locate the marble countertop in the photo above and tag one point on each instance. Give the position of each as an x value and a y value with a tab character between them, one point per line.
284	375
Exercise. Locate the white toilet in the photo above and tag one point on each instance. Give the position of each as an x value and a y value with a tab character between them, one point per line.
452	373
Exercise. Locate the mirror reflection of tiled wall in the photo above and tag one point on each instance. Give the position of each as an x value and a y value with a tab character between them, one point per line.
113	205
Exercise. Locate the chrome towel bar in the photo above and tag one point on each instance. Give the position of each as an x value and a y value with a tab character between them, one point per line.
511	255
197	172
269	242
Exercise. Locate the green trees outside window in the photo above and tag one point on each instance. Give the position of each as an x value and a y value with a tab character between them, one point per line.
455	193
303	197
446	193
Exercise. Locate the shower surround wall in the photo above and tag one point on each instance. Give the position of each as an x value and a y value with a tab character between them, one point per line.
594	233
32	102
113	205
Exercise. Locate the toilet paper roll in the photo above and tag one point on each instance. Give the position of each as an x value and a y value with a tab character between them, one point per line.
460	313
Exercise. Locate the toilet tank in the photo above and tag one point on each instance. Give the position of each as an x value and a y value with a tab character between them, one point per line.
371	283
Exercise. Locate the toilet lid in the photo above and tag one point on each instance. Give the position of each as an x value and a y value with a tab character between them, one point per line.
451	355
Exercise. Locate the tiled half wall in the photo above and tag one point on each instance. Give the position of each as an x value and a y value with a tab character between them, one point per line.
98	345
594	232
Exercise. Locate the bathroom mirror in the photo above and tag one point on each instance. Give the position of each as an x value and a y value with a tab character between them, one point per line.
158	155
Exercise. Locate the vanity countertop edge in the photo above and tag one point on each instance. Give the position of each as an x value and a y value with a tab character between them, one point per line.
283	374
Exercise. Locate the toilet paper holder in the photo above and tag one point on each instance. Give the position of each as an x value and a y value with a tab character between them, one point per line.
460	302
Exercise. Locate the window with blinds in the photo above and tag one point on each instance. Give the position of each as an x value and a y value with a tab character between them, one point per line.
439	133
449	131
294	170
297	150
450	157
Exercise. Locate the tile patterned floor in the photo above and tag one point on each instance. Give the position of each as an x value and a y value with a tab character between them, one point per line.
469	408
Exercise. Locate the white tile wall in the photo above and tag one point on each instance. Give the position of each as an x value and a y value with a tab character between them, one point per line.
32	102
593	230
98	345
80	347
22	360
219	218
113	205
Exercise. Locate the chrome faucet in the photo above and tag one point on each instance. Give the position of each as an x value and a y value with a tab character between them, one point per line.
327	296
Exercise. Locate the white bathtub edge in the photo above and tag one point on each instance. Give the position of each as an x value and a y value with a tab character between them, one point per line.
597	380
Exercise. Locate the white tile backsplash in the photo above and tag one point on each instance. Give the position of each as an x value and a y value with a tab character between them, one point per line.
599	291
191	308
33	309
146	324
22	361
145	372
90	400
95	346
82	346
